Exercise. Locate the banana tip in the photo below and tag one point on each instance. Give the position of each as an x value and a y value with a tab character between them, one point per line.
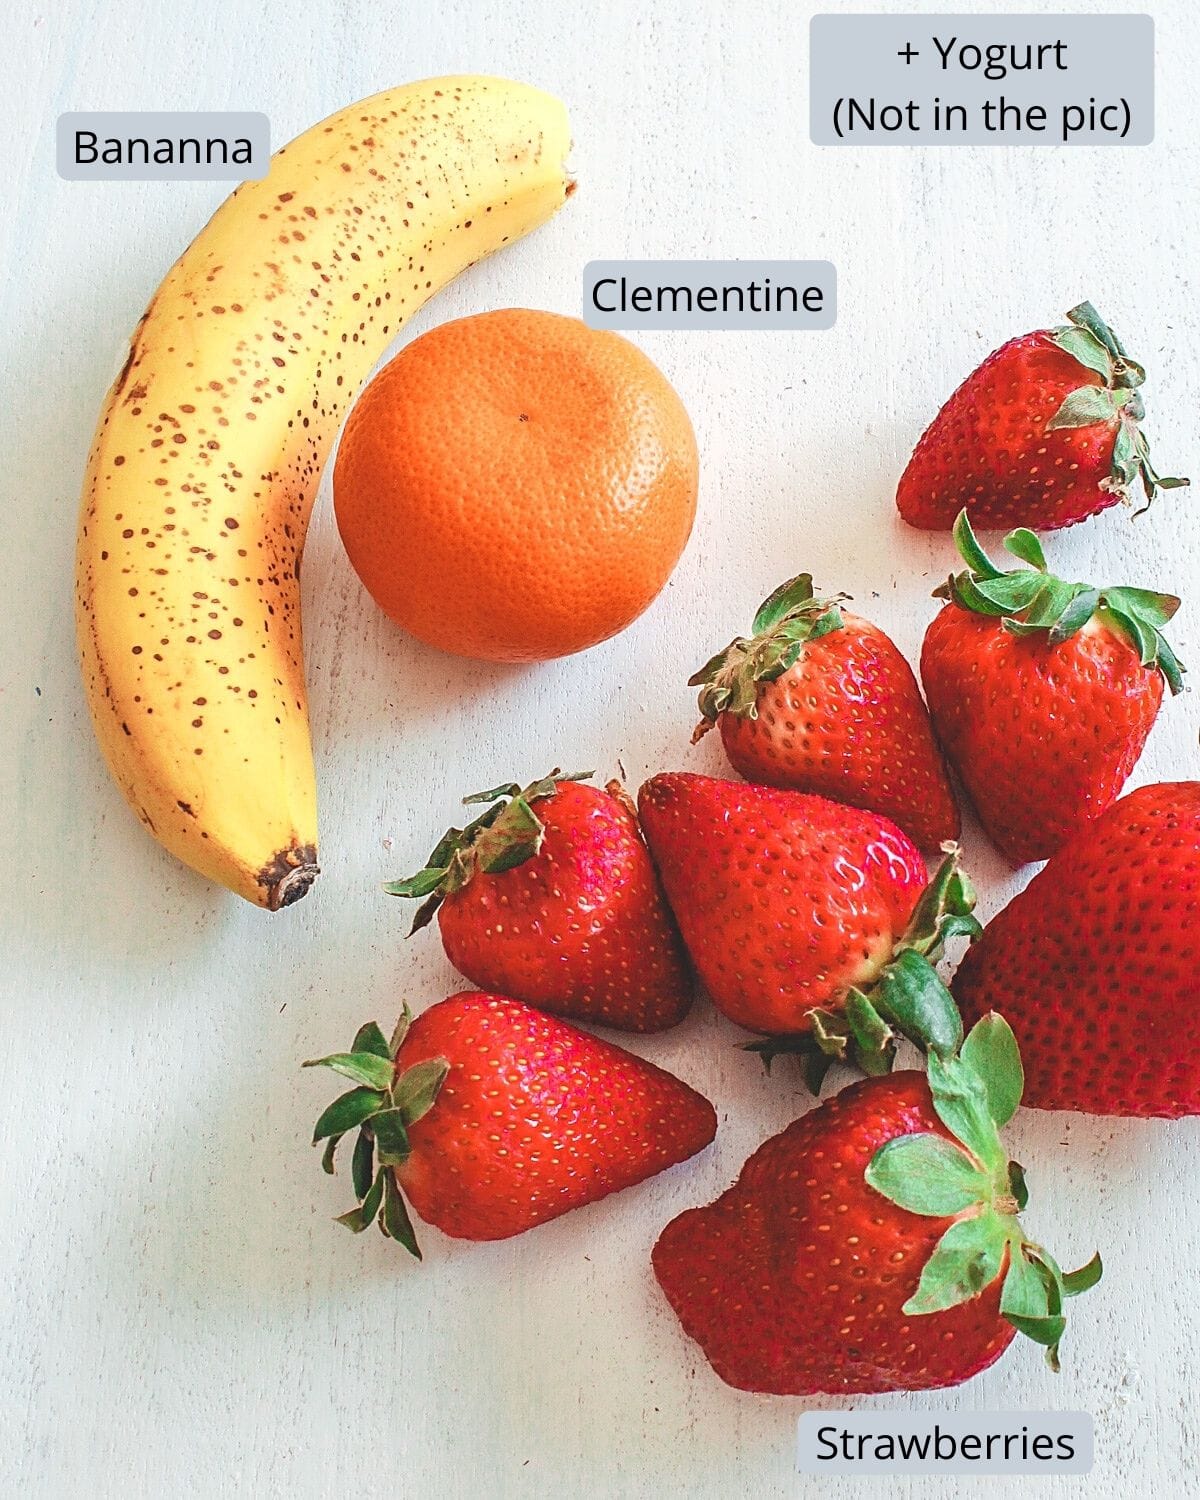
288	876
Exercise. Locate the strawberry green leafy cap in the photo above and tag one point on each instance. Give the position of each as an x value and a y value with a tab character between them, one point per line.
382	1105
970	1178
1031	601
1089	339
792	615
907	999
507	834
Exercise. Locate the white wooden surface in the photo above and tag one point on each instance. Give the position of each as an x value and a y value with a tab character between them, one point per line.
179	1315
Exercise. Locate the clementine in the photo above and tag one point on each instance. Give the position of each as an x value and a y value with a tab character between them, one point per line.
516	486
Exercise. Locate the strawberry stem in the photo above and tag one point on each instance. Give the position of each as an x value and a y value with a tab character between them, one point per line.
1031	601
971	1180
784	622
505	835
1089	339
1124	371
906	999
383	1108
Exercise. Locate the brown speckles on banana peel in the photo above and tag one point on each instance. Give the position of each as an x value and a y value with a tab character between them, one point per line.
212	440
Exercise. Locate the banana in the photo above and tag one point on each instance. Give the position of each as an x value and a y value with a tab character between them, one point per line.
211	442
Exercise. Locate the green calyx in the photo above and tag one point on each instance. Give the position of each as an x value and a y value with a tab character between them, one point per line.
792	616
382	1106
507	834
971	1180
1031	600
907	999
1089	339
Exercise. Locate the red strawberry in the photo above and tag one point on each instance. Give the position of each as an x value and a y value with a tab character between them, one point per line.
874	1245
804	918
820	700
492	1118
551	896
1043	692
1098	962
1044	433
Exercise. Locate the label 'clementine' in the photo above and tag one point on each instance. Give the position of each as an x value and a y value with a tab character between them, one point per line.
516	486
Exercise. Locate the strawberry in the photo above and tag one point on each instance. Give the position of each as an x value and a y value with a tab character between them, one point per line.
1098	962
491	1118
550	896
805	918
1043	692
820	700
1044	433
875	1244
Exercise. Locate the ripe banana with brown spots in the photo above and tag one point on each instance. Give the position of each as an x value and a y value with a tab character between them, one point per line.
211	443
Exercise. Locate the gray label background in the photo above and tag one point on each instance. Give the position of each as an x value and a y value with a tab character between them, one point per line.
854	56
714	273
150	125
1076	1424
